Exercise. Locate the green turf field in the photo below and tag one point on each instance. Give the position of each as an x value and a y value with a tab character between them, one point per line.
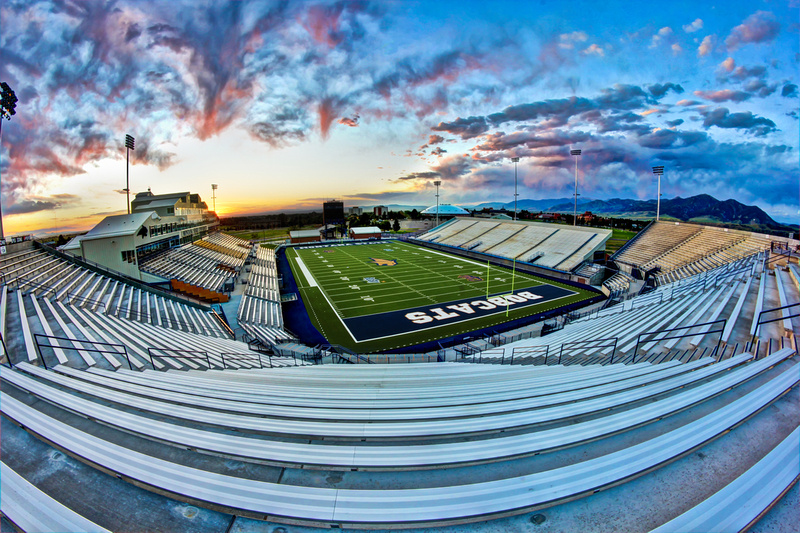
345	286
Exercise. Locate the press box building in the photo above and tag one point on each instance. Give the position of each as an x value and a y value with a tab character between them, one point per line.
156	222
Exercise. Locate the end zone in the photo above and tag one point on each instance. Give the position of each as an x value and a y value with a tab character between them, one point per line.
381	325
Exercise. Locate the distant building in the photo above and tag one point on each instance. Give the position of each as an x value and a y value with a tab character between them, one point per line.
445	210
369	232
358	211
156	223
586	217
380	211
333	212
306	235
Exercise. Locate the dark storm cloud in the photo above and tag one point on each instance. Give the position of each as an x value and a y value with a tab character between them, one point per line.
789	90
466	128
670	139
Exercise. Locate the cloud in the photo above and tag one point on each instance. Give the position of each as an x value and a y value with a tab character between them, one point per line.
722	118
707	45
761	26
760	88
676	122
676	48
567	40
434	139
420	176
742	73
728	65
663	34
694	26
723	95
594	49
348	121
789	90
659	90
466	128
687	103
438	151
36	204
671	139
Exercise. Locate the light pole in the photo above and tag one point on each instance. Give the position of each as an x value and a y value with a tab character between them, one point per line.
658	171
214	196
576	153
129	141
8	104
515	160
437	183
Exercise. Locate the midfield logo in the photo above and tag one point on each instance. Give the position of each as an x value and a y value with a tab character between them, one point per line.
470	277
384	262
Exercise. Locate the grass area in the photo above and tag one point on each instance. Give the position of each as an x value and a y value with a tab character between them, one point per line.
338	283
619	237
261	234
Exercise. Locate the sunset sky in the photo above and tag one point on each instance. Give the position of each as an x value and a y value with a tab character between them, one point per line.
284	104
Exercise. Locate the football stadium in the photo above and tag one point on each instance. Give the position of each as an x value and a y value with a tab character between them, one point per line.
476	267
479	375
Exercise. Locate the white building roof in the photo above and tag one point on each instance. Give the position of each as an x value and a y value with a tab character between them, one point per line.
445	209
120	225
304	233
367	230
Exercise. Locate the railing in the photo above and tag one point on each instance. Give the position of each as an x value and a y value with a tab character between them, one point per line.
590	344
224	323
243	357
30	284
761	321
723	321
40	345
5	351
175	352
72	299
529	351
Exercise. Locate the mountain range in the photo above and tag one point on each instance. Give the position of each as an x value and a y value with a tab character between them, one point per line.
702	208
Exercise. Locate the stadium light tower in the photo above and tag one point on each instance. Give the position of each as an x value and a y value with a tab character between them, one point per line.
214	196
8	104
658	171
576	153
437	183
515	160
129	141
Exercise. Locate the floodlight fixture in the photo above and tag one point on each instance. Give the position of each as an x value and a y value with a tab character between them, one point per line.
437	183
129	142
214	196
576	153
658	171
515	160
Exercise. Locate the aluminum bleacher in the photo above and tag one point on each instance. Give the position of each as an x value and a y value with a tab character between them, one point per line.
557	247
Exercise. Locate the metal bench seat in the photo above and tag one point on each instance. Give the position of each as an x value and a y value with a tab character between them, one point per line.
32	510
390	457
418	506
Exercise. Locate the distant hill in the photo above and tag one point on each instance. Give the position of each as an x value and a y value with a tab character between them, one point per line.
702	208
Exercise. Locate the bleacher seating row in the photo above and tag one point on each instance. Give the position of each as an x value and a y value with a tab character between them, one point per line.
46	275
682	250
259	312
398	417
620	330
549	245
209	262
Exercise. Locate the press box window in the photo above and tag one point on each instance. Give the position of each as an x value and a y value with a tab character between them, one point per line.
129	256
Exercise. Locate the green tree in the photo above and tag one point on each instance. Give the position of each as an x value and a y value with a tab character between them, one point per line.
396	225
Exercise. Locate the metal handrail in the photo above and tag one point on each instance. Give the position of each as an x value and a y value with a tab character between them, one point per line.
167	350
614	344
724	321
759	322
243	356
523	351
5	351
39	347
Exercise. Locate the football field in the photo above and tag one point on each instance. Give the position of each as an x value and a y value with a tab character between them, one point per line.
381	295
